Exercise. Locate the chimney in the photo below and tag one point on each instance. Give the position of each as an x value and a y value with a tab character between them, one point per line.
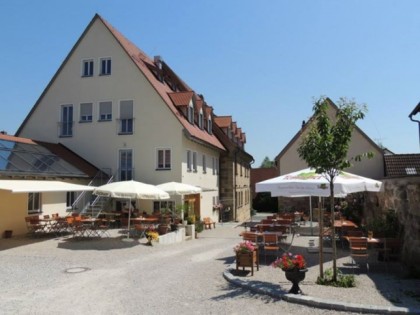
3	132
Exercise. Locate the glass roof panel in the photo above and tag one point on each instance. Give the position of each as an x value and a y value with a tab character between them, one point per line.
16	157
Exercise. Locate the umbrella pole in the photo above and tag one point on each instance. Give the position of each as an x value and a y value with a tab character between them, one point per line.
310	215
128	239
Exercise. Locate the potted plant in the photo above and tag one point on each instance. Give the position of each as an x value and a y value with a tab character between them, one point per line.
294	267
151	235
199	227
246	255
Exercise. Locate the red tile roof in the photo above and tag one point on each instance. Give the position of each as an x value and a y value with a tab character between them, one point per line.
181	98
144	63
223	121
16	139
402	165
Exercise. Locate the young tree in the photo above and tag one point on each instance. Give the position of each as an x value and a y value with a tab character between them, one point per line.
267	163
325	148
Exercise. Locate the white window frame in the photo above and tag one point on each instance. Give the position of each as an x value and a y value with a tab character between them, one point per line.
209	125
34	203
191	113
105	66
66	120
104	115
126	125
88	68
204	164
189	169
125	165
70	199
162	154
86	113
194	162
200	119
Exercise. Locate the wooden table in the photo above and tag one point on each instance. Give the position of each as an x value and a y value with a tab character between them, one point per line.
344	224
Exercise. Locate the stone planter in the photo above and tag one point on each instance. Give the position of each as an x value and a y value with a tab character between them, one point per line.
295	276
249	259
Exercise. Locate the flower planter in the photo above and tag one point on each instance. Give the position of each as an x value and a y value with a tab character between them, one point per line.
295	276
249	259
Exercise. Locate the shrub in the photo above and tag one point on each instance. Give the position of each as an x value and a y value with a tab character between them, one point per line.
343	281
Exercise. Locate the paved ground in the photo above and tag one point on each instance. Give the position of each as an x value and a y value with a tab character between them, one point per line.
109	276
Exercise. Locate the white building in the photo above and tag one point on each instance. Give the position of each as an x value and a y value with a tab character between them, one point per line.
131	115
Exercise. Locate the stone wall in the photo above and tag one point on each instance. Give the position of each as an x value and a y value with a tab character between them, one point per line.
403	195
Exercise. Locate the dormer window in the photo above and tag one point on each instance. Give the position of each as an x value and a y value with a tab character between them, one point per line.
201	119
209	125
191	113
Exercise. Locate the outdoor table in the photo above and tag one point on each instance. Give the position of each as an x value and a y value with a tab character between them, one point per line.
344	224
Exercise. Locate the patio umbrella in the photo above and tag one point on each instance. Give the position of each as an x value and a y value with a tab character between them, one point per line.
131	190
307	182
175	188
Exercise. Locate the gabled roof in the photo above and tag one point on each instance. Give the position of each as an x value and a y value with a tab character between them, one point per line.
402	165
22	157
415	111
149	69
308	123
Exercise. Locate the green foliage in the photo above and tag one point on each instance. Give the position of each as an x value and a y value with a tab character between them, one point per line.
385	226
326	145
267	163
343	281
199	226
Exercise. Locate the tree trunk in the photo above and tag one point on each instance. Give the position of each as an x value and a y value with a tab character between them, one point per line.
321	240
334	245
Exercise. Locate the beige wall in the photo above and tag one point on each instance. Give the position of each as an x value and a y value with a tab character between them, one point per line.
372	168
155	126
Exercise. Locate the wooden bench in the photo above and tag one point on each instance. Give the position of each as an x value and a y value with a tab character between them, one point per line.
208	223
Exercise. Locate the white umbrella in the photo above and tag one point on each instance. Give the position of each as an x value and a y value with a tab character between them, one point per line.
175	188
308	183
131	190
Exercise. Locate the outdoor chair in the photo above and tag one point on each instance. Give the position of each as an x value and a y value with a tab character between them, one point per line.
250	236
208	223
359	250
270	244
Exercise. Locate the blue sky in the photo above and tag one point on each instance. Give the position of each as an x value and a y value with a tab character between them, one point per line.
262	62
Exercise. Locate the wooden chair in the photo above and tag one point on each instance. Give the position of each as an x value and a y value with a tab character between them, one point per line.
359	250
208	223
250	236
270	244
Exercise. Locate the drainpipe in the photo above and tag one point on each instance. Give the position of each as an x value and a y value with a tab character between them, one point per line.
413	113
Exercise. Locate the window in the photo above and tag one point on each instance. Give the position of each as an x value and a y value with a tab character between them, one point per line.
126	165
87	68
204	164
126	117
86	112
200	119
191	113
105	111
66	129
209	125
33	203
163	205
195	161
214	165
105	66
216	170
188	160
163	159
70	199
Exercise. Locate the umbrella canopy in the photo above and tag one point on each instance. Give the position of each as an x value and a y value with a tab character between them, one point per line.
308	183
174	188
131	190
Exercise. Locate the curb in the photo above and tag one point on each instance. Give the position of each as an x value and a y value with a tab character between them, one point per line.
313	301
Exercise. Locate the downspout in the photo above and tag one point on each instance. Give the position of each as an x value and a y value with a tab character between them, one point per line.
234	186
